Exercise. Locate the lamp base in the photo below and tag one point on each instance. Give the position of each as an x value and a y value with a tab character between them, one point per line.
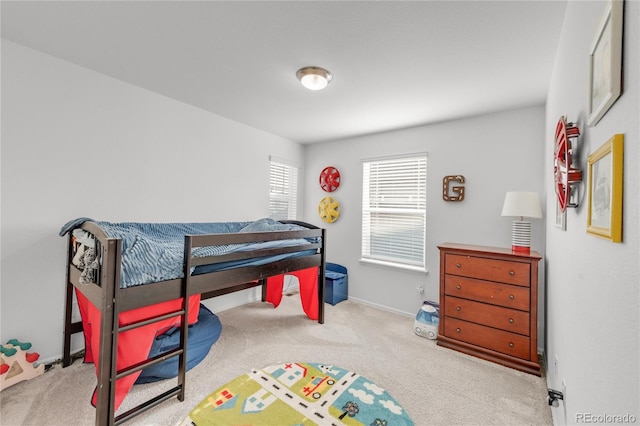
521	236
520	249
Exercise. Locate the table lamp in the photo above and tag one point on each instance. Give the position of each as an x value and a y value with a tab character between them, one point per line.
522	205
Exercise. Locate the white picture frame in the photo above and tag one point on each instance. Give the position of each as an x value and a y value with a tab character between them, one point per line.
561	216
605	63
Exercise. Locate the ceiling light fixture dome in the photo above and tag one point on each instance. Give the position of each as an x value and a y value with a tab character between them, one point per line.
314	78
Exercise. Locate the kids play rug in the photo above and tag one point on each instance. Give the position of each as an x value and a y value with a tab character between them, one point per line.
299	394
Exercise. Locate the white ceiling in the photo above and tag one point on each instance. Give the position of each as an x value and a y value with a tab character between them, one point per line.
395	63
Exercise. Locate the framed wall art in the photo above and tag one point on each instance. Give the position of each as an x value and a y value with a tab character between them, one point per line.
561	217
604	214
605	63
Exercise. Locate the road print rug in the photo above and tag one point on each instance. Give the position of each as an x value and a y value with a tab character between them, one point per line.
299	394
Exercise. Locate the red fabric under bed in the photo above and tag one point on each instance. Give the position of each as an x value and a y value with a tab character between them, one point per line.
308	279
133	345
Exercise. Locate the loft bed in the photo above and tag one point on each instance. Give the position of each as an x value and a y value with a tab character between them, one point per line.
128	290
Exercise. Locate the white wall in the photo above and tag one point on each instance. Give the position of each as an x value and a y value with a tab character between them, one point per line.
496	153
593	298
77	143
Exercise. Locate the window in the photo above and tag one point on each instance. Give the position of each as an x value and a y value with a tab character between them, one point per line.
283	190
394	203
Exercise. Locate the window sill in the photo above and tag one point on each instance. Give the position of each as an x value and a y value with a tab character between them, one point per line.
394	265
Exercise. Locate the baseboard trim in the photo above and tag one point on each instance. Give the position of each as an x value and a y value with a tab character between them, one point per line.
381	307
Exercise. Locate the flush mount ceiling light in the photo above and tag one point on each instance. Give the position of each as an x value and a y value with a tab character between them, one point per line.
314	78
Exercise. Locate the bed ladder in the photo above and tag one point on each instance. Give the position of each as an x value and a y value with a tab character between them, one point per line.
105	413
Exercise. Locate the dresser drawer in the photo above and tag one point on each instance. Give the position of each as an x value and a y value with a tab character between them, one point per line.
509	296
493	316
487	337
488	269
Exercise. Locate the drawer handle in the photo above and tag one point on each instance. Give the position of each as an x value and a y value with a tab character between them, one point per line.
458	308
512	273
511	296
511	345
458	330
458	265
459	287
511	321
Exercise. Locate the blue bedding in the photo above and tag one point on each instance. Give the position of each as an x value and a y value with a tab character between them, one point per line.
153	252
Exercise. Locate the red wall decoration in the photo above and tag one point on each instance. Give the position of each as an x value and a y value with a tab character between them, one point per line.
567	177
329	179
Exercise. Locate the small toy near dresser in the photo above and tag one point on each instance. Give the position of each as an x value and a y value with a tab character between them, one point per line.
488	304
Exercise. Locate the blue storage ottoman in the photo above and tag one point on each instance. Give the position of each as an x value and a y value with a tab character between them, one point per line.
336	284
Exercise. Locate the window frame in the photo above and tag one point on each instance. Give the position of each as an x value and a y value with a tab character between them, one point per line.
292	200
410	262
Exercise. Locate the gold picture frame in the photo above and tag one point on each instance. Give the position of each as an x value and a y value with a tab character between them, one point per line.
605	63
604	213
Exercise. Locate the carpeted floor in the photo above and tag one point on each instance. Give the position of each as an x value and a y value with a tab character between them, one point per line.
436	386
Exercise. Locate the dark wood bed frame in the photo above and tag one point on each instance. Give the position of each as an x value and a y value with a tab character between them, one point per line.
107	296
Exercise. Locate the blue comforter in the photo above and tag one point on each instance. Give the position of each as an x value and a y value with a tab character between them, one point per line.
153	252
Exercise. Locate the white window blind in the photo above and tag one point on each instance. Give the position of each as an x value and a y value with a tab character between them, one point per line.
394	210
283	190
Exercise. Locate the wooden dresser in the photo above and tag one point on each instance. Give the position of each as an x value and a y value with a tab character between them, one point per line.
488	304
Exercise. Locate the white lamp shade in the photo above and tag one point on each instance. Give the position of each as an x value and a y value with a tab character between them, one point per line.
522	204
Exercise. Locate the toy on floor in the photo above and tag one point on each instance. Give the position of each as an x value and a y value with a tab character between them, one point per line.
16	364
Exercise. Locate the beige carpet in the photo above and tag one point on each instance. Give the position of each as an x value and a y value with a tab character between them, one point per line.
436	386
